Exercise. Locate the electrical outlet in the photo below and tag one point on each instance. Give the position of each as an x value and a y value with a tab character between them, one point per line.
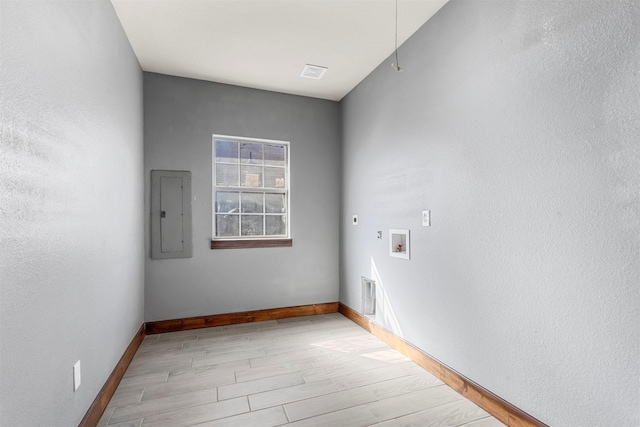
76	376
426	218
380	235
355	220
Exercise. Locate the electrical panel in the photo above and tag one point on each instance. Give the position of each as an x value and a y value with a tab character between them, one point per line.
171	214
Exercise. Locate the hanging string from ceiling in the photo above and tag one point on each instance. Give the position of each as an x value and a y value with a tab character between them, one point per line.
396	65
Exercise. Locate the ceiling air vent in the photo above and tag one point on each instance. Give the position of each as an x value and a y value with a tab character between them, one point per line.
313	71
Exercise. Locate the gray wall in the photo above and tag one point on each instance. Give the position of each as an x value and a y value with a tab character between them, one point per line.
516	123
71	212
180	117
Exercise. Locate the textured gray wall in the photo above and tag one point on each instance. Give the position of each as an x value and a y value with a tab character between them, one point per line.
517	124
180	117
71	212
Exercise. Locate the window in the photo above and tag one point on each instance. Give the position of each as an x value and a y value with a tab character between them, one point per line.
250	192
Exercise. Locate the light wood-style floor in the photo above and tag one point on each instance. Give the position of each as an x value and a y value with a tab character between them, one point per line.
306	371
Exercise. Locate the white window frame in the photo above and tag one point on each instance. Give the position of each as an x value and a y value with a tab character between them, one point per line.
249	189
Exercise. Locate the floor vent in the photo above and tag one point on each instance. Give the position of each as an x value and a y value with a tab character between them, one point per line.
368	296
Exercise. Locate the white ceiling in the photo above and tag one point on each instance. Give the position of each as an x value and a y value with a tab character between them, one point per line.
265	44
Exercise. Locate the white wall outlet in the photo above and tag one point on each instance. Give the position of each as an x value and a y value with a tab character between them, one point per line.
355	220
426	218
380	235
76	376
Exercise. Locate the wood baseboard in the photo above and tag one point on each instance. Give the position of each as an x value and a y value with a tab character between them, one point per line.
496	406
101	401
236	318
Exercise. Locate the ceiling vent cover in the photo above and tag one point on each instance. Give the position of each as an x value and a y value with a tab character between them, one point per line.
313	71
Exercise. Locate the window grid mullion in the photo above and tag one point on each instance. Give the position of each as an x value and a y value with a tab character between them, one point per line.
240	213
239	170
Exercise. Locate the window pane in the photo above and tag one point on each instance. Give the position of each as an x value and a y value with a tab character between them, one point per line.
226	202
274	155
276	225
252	203
227	225
227	175
251	153
274	178
275	203
252	225
226	151
251	176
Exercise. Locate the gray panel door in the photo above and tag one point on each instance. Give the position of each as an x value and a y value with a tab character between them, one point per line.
171	214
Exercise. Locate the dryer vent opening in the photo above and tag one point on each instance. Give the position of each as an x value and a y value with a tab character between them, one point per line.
368	296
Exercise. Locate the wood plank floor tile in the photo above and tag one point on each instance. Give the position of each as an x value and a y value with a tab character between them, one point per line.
198	414
332	358
389	423
283	347
232	353
452	414
387	355
370	376
163	404
328	403
485	422
339	368
353	344
231	365
256	386
158	366
285	326
148	351
218	375
232	346
228	357
106	415
270	371
143	380
175	351
404	385
291	356
130	423
410	403
312	333
291	394
358	416
178	387
127	396
219	336
178	336
269	417
169	341
227	332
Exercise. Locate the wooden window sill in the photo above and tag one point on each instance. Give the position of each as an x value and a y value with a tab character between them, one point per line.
255	243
